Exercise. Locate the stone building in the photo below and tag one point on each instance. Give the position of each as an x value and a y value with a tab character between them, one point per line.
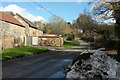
17	30
12	31
32	32
31	29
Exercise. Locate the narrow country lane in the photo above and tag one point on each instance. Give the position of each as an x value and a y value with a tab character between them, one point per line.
43	65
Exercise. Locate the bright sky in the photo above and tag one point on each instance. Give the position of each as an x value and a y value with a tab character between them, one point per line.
67	10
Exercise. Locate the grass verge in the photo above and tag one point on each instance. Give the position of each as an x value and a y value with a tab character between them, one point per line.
70	43
12	53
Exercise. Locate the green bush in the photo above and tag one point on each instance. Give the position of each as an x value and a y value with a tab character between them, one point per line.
71	37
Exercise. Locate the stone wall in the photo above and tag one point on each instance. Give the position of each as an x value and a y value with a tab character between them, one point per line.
33	32
11	34
50	41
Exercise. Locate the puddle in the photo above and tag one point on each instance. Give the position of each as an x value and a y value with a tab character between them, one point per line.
60	74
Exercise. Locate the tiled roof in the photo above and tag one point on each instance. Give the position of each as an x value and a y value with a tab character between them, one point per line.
7	18
27	21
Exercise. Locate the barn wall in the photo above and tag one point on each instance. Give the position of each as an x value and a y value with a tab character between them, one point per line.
11	34
33	32
27	30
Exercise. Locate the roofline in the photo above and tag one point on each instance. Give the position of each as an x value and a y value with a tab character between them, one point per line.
10	21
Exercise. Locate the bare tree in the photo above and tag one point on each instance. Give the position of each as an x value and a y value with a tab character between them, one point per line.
86	22
57	26
108	10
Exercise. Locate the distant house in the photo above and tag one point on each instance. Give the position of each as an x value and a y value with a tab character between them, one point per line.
12	31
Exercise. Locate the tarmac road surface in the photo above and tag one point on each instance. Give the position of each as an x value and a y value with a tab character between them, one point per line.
44	65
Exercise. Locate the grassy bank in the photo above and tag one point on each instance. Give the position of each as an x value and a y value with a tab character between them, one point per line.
68	43
20	51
